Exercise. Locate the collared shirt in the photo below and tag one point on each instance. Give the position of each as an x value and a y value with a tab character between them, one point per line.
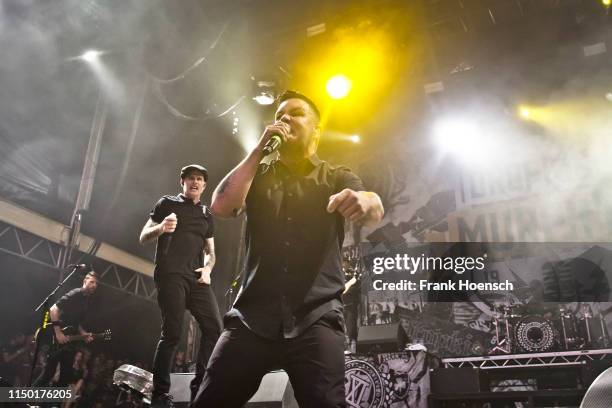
181	252
73	307
293	272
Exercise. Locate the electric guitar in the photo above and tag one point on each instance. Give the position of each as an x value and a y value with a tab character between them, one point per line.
46	335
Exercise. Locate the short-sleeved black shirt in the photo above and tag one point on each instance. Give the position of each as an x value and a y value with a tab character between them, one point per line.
73	307
293	272
182	251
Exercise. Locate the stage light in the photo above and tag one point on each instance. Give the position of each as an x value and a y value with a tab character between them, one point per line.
107	78
456	135
338	86
355	138
524	112
91	55
606	3
264	99
609	96
464	139
349	73
315	30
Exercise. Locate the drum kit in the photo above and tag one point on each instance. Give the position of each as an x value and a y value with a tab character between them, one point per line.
560	329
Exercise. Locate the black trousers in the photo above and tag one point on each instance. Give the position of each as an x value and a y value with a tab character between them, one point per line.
351	317
65	359
314	362
175	294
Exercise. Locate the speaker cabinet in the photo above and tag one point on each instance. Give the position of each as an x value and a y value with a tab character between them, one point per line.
179	388
275	391
381	338
464	380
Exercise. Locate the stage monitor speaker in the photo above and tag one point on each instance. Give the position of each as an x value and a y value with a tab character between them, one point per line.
599	394
381	338
179	388
461	380
275	391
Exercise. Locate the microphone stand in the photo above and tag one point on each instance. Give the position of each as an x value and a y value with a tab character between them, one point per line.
44	317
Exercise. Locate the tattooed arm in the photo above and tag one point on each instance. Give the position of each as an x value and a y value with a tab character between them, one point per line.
152	230
209	249
209	254
229	197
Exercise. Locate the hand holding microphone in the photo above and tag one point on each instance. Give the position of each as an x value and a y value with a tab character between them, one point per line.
272	145
273	137
169	223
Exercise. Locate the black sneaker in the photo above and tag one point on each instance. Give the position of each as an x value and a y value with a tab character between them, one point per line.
162	401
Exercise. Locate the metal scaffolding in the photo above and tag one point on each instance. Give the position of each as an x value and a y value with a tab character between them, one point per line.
25	245
529	360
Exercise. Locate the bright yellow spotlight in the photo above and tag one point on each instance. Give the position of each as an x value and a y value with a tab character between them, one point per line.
606	3
355	138
338	86
524	112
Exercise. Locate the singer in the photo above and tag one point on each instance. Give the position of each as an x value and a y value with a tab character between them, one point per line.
288	313
184	259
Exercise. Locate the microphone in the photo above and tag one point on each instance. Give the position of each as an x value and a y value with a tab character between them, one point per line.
169	238
272	145
167	244
77	266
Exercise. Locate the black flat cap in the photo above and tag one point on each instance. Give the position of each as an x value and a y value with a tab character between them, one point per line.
188	169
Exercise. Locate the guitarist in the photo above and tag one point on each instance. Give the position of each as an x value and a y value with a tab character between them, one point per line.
70	310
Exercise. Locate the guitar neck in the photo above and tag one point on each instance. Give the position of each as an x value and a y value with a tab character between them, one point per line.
81	337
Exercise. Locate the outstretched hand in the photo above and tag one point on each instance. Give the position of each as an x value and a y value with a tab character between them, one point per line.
349	203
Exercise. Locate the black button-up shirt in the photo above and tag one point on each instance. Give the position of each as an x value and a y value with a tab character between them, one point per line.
181	252
73	307
293	272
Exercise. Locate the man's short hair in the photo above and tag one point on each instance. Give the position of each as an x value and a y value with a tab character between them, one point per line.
288	94
91	274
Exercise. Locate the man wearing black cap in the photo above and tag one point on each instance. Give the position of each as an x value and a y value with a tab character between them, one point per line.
288	313
184	258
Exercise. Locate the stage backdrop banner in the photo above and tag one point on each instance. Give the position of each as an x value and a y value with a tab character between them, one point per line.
389	380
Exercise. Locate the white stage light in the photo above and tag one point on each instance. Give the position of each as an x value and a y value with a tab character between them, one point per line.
264	99
91	55
465	140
